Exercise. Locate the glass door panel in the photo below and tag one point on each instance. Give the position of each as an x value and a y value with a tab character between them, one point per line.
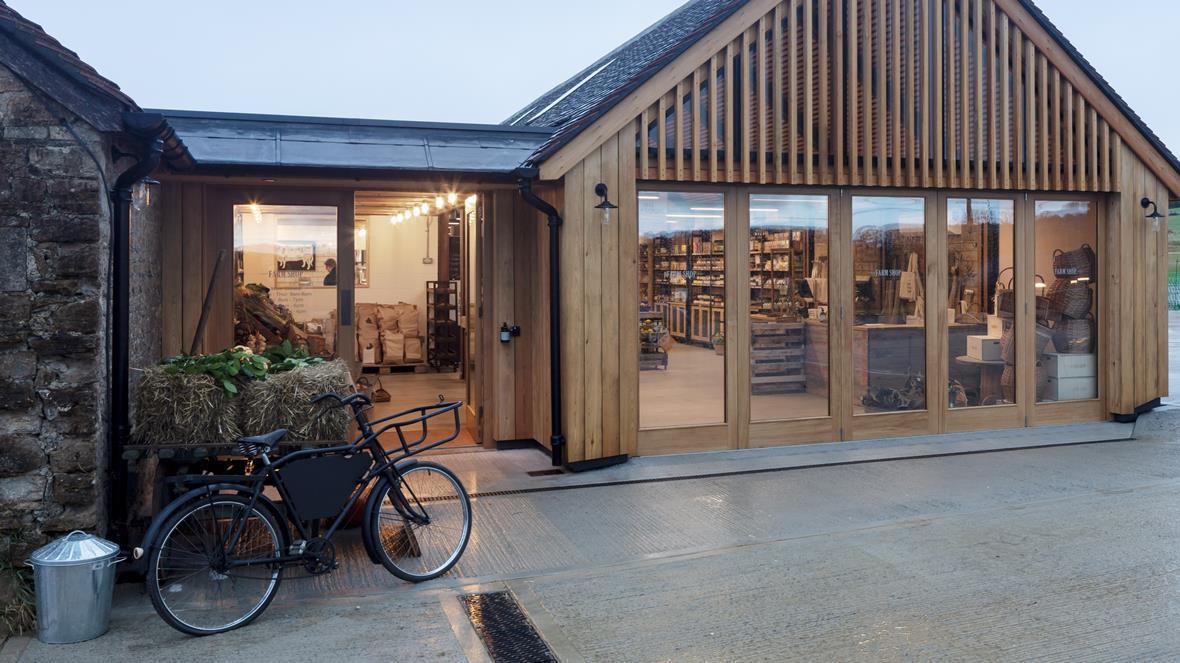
889	304
789	328
1066	234
982	282
285	277
681	309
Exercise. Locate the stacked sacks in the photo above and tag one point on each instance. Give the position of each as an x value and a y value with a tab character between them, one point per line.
401	335
368	334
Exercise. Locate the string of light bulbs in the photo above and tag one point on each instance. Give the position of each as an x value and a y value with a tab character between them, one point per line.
422	209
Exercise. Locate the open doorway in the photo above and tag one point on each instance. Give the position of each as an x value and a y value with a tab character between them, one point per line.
415	286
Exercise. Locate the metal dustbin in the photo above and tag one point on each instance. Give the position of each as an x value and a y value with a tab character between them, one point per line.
75	579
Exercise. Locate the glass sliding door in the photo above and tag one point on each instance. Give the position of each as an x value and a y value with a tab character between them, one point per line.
789	314
285	277
890	304
681	309
1064	251
982	285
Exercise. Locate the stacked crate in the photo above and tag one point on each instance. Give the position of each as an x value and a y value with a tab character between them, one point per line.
777	356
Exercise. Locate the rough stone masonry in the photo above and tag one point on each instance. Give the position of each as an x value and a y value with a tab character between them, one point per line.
54	261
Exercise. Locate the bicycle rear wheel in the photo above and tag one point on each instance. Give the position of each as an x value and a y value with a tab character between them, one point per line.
191	578
423	523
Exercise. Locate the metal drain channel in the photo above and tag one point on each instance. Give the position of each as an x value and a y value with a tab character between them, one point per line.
792	468
505	630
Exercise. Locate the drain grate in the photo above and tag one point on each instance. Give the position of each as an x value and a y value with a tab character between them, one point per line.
545	473
505	630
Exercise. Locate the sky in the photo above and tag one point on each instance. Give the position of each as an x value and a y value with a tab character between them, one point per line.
465	60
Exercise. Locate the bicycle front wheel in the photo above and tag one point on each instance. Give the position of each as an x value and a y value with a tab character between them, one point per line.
423	522
202	584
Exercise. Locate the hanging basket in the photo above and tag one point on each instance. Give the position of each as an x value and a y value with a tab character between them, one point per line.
1046	312
1071	298
1079	263
1073	336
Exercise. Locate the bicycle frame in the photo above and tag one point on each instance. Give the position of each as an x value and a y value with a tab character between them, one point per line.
382	464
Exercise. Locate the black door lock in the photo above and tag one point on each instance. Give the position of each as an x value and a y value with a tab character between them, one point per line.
507	333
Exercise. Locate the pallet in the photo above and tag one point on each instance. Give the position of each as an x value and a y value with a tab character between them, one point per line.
389	369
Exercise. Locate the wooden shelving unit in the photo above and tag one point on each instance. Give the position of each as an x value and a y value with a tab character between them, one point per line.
777	349
443	335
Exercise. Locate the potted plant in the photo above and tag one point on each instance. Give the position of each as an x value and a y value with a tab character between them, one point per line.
719	343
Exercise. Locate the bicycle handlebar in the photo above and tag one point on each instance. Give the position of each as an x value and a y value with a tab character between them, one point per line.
350	399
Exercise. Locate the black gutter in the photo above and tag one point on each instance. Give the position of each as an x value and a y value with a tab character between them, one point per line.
151	130
524	180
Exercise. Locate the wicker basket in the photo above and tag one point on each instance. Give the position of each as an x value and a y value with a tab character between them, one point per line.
1073	336
1005	296
1008	382
1072	299
1079	263
1008	345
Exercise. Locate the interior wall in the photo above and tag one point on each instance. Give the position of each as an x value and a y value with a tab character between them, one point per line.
396	271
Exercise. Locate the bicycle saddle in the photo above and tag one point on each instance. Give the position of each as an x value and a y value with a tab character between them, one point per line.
260	444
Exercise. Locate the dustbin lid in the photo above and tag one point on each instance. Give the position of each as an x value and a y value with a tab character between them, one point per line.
77	547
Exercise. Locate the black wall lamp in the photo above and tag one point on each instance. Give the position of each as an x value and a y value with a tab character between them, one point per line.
1154	214
508	333
606	205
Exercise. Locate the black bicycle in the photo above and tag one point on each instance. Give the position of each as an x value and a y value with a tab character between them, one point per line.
216	554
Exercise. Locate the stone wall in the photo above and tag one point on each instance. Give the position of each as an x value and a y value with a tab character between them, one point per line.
54	243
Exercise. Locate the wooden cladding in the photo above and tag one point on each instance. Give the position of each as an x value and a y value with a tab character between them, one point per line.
915	93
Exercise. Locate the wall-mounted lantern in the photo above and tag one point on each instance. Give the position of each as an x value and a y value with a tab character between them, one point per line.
606	205
1154	214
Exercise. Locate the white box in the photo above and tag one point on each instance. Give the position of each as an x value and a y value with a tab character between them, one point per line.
1061	365
995	325
1072	389
983	348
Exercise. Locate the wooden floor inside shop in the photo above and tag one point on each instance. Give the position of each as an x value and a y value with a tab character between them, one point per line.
691	391
416	389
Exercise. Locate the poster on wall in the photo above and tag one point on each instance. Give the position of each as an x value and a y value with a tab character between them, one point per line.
295	256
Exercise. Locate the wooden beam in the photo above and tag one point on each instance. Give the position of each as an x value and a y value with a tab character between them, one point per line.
939	120
777	94
853	94
808	92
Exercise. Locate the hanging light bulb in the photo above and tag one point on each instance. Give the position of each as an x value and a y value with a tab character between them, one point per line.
438	203
417	210
393	220
361	232
452	198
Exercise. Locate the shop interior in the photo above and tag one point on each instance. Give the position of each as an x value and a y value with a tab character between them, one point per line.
413	265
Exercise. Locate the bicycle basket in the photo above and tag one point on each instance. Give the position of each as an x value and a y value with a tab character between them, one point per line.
320	486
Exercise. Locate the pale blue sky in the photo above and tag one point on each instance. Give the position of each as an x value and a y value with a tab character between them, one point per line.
464	60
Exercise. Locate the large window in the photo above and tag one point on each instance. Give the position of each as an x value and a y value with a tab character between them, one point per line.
1067	307
789	325
981	302
681	309
890	303
285	277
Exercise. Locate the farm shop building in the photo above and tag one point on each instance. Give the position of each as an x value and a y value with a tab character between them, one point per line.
757	223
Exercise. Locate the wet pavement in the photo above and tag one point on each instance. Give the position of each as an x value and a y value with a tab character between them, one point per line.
1061	553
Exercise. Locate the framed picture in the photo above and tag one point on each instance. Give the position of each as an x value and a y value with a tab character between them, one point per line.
295	256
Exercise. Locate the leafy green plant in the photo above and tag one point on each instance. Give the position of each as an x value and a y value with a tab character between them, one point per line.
228	368
285	357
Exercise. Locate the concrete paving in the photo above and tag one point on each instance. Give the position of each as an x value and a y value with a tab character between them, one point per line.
1053	553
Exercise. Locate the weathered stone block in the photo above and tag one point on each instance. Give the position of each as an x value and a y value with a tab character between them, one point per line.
83	317
22	489
16	380
63	344
15	309
74	228
72	518
20	454
63	401
56	261
14	268
56	160
73	454
26	133
62	286
74	489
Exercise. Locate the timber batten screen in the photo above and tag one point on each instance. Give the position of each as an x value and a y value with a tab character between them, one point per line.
912	93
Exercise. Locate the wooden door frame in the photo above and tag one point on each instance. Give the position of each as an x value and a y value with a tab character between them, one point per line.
221	201
1009	415
907	423
1065	412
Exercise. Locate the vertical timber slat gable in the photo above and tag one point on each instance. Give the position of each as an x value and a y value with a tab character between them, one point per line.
881	93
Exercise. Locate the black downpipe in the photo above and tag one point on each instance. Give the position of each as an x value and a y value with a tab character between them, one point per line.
121	295
524	181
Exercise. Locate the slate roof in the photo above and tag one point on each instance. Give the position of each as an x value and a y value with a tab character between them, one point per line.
234	139
580	101
41	61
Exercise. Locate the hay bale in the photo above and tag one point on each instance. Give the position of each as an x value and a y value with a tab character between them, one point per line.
283	401
183	408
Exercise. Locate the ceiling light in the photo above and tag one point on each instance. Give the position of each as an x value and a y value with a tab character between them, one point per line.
765	209
473	199
452	198
692	216
642	197
707	209
438	202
